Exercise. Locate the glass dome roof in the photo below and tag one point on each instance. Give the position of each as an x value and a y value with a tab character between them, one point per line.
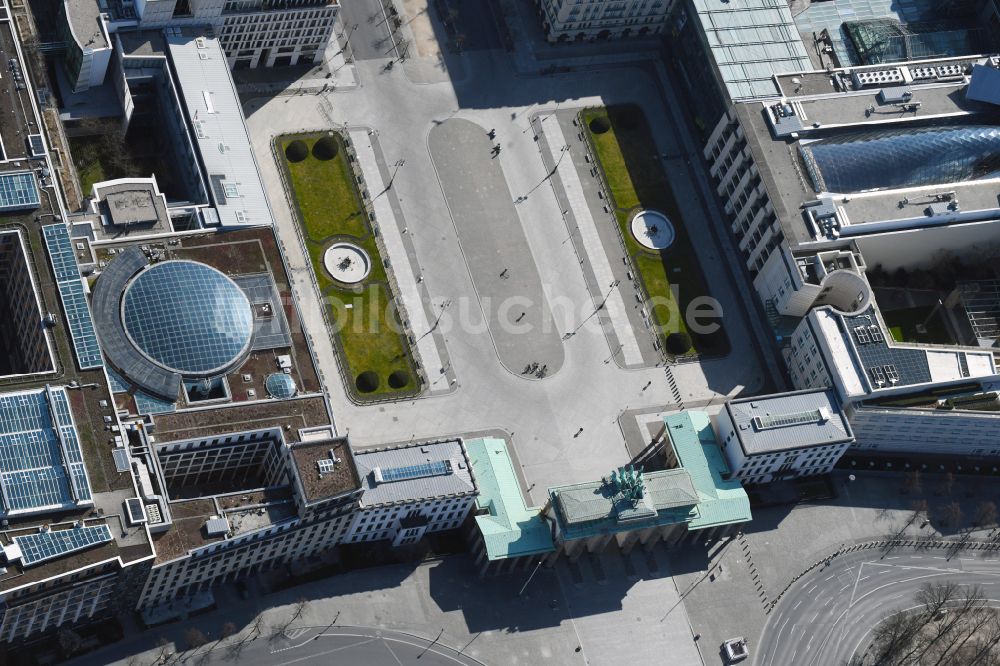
870	159
187	317
280	385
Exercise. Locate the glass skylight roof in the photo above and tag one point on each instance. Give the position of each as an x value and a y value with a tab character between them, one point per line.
37	548
187	317
18	191
890	159
436	468
279	385
41	464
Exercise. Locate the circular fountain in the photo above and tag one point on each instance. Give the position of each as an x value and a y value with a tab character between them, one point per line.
653	230
347	263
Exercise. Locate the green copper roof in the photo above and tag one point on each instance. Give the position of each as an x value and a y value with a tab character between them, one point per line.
511	528
721	501
595	507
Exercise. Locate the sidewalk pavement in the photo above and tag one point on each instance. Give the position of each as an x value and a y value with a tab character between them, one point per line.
591	240
403	263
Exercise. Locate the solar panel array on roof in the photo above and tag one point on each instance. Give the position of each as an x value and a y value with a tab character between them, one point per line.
18	191
36	145
37	548
67	273
41	463
122	460
436	468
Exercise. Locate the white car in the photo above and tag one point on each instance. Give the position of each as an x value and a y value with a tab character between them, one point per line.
736	649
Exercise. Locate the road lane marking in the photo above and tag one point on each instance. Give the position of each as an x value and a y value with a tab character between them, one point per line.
855	590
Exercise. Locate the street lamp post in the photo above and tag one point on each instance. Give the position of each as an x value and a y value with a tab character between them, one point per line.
431	644
533	572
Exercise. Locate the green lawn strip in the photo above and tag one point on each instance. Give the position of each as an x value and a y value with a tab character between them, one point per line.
627	155
328	198
903	323
87	158
371	340
330	209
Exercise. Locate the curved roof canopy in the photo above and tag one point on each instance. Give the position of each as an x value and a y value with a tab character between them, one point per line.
898	158
187	317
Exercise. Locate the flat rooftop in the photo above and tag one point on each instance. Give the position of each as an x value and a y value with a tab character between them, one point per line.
85	21
606	507
244	511
142	42
289	415
91	408
414	472
213	106
510	528
326	469
130	206
784	421
824	114
43	556
251	258
864	359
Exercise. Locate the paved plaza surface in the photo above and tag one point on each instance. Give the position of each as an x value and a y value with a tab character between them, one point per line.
545	418
452	224
592	613
509	288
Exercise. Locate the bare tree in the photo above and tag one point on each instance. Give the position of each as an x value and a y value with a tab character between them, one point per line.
164	653
258	625
951	514
301	604
911	482
986	514
228	629
948	626
195	638
947	484
920	508
69	641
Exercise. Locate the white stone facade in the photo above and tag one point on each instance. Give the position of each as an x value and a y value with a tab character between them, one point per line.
579	20
388	521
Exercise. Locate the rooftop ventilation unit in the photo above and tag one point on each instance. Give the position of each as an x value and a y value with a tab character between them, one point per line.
878	77
217	526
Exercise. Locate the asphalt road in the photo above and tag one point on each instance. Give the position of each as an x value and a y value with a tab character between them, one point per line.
347	645
827	615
